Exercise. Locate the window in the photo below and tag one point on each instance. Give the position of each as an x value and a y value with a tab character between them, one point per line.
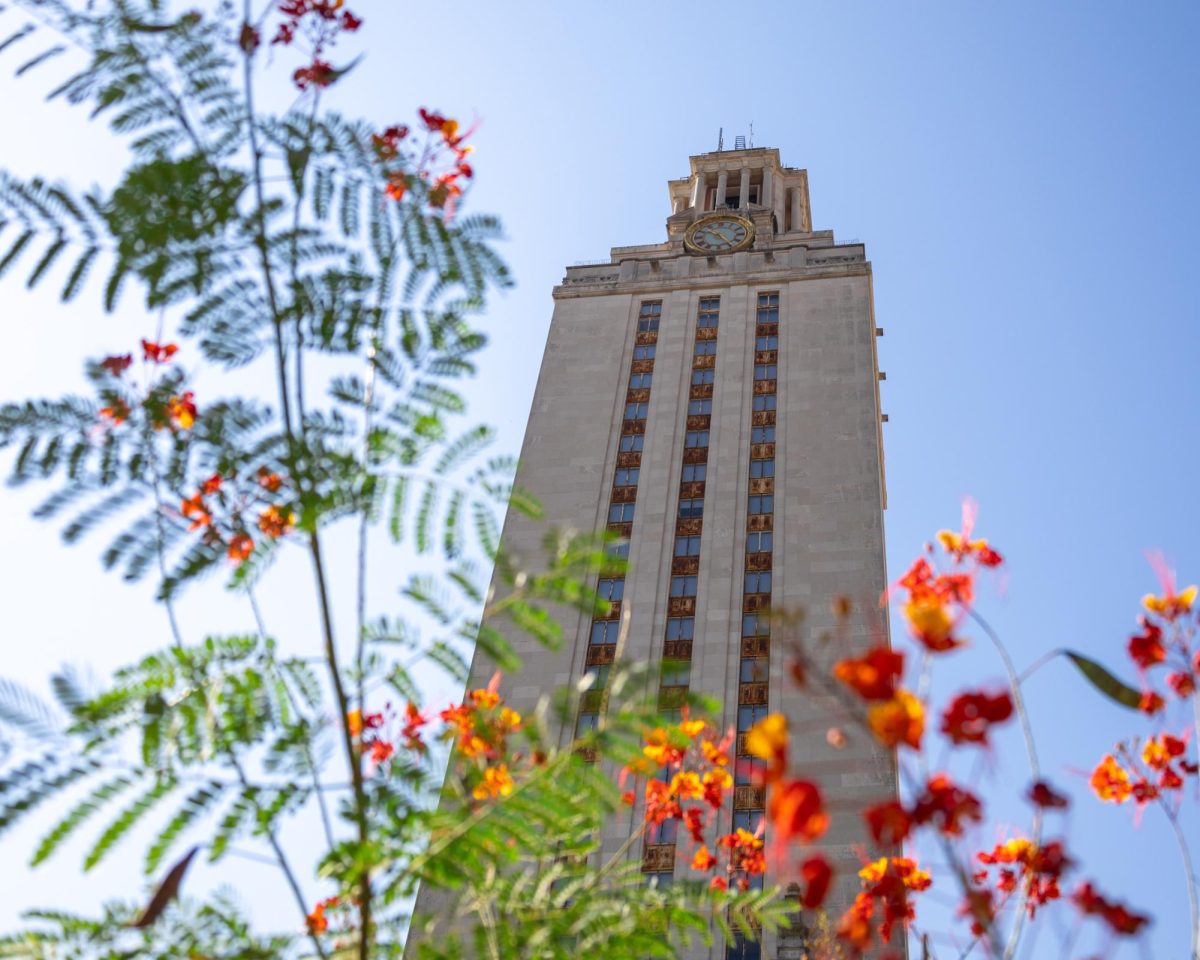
694	472
620	549
599	676
690	509
770	342
761	504
676	673
763	371
754	670
641	381
758	541
643	351
703	376
748	771
648	316
748	717
628	476
681	628
706	348
762	435
687	546
768	308
758	581
620	513
742	820
664	832
632	442
636	411
664	879
699	408
696	438
604	632
709	311
683	586
756	625
586	722
611	588
759	469
764	401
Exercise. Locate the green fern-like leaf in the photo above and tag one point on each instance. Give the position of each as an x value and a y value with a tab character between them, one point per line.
93	803
128	818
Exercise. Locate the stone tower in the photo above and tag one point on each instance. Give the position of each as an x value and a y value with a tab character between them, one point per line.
714	399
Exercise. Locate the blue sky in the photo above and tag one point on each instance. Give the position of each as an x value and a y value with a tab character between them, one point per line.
1023	177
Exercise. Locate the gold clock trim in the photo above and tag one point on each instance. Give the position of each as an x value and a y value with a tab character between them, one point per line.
713	218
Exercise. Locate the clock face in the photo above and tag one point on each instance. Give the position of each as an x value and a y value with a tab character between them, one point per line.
719	235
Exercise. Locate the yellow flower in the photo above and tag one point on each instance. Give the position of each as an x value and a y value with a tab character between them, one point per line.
1171	605
686	785
768	740
898	720
496	783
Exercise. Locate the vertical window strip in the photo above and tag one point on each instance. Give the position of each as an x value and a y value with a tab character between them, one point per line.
658	848
754	665
602	641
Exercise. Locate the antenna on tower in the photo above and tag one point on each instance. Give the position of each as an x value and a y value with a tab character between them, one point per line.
752	134
720	139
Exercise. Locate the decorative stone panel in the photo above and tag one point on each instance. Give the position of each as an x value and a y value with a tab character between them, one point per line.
757	485
704	362
706	333
658	857
624	494
759	561
630	458
689	527
695	455
699	421
642	366
756	603
677	650
747	797
762	451
756	646
692	490
638	395
752	694
764	386
766	329
766	356
599	654
762	418
681	566
633	426
704	391
681	606
671	698
621	529
760	521
650	336
614	611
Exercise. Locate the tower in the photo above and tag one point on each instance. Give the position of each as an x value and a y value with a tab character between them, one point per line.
713	399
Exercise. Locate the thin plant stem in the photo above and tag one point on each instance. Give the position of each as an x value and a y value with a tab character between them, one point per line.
1014	682
309	759
1186	855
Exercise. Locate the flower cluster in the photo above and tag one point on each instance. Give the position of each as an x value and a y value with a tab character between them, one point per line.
165	407
319	22
1120	919
225	508
942	804
894	715
1023	865
480	728
1167	639
1160	767
882	903
439	160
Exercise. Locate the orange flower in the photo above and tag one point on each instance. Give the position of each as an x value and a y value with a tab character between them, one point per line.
898	720
661	748
872	676
1110	781
275	522
932	623
158	353
1151	703
116	413
496	783
745	851
686	785
117	365
485	699
182	410
1171	605
1158	752
269	481
703	860
768	740
796	810
946	805
240	547
354	722
193	509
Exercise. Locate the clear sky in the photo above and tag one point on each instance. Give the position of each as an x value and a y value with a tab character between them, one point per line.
1023	176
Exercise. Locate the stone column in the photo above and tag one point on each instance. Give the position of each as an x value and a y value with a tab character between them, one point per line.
768	188
698	191
797	209
744	193
779	203
722	186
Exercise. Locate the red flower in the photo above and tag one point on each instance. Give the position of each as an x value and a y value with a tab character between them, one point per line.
319	73
380	751
195	510
1042	795
872	676
969	715
414	720
888	822
269	481
703	860
158	353
117	365
1151	703
1146	648
1184	684
795	810
947	806
1122	921
695	826
182	410
240	547
817	876
116	413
